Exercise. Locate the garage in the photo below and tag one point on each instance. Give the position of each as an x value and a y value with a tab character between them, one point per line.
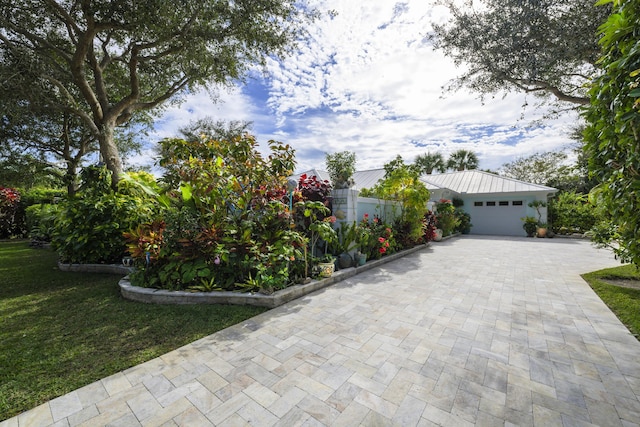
497	217
495	203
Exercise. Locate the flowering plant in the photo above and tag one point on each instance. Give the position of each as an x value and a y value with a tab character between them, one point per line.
380	239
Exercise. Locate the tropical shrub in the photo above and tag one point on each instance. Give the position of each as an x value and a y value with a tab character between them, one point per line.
9	204
341	167
571	212
463	221
89	226
613	119
40	221
446	216
380	237
312	189
229	227
430	225
402	183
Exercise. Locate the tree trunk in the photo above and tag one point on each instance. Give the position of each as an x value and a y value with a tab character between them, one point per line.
110	154
70	178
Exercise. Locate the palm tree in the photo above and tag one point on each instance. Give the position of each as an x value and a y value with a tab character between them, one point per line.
462	160
429	162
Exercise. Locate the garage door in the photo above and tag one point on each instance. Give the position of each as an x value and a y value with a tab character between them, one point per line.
497	217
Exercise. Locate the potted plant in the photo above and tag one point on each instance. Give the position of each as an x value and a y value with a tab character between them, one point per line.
326	265
364	242
530	224
345	243
541	229
341	167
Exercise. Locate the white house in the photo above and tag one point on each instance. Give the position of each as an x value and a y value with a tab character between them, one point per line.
495	203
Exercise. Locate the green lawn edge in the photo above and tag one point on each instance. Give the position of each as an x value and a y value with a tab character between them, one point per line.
60	331
623	302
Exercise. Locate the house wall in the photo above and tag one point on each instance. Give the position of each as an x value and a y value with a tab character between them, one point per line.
386	210
349	207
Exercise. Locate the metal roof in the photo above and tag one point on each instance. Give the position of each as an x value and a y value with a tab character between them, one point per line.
479	182
462	182
363	179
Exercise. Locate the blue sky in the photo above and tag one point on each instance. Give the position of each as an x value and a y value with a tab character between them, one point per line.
368	81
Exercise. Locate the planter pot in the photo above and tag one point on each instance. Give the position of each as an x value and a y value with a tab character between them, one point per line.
362	259
345	260
438	235
326	269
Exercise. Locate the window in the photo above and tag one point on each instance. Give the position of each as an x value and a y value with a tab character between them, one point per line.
477	204
504	203
516	203
491	203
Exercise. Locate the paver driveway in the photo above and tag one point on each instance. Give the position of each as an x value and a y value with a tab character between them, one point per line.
485	331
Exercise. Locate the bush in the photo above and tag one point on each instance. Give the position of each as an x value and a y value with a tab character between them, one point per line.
10	225
40	221
464	221
571	212
42	195
229	227
446	216
90	226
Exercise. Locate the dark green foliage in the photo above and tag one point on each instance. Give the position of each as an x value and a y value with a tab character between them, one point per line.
461	160
546	47
106	63
40	221
446	217
612	136
464	221
90	226
571	212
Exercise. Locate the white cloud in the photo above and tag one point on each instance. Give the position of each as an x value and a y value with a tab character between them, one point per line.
367	81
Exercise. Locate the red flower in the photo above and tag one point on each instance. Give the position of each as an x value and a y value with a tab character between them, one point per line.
382	250
381	239
386	244
366	216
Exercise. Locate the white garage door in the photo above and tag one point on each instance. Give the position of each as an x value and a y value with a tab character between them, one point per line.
497	217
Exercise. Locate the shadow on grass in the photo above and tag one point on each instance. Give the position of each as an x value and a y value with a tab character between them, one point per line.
61	331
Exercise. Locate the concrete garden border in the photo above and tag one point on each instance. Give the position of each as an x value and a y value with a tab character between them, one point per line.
161	296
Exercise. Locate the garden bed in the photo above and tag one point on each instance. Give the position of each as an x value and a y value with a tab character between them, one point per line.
161	296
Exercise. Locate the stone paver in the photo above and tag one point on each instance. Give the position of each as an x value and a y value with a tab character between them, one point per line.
471	331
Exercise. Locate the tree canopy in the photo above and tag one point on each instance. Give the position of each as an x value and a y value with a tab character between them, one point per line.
108	60
462	160
612	134
543	47
428	162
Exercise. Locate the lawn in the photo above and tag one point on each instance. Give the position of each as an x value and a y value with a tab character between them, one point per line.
624	301
60	331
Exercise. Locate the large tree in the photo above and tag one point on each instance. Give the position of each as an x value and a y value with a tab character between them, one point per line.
613	132
544	47
107	60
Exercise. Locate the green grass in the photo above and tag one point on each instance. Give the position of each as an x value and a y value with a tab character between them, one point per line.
624	302
60	331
